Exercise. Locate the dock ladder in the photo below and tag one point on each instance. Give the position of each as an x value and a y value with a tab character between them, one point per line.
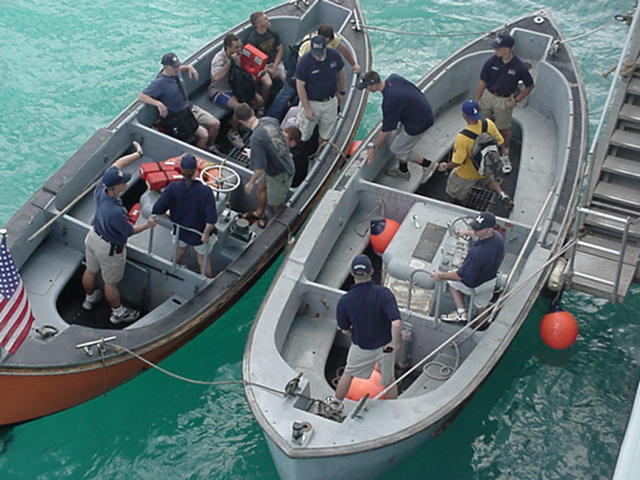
601	265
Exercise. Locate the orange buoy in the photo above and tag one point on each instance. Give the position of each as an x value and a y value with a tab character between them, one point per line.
558	328
382	232
353	146
361	386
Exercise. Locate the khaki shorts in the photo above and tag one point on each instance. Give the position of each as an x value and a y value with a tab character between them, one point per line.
483	293
460	188
325	115
402	144
203	248
98	258
360	363
497	108
203	117
277	188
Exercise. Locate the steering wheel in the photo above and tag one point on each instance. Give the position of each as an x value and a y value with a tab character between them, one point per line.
452	227
220	178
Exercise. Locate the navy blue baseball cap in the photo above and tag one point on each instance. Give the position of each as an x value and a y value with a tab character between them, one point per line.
504	40
188	161
170	59
472	110
318	44
361	265
114	176
482	221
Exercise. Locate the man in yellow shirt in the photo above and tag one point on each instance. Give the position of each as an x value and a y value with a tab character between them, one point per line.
333	41
465	175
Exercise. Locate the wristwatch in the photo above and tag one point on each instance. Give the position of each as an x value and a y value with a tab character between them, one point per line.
342	92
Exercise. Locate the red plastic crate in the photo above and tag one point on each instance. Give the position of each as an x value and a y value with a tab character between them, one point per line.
147	168
173	176
170	164
156	180
134	213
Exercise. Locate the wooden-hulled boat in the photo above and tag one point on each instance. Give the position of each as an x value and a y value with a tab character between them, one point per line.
294	347
65	361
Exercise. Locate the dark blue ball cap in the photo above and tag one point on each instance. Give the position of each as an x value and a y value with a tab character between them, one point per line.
482	221
361	265
471	109
504	40
188	161
318	44
114	176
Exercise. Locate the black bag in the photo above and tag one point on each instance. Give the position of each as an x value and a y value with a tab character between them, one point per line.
484	153
242	84
181	125
291	60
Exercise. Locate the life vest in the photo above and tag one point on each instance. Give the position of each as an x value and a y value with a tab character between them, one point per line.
253	60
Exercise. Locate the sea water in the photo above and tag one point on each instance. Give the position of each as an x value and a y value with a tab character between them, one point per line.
68	67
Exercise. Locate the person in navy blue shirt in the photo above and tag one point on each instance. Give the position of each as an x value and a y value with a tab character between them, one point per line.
320	86
191	204
105	244
497	90
167	93
477	274
370	314
406	116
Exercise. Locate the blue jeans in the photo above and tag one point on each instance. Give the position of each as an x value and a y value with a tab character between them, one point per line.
282	102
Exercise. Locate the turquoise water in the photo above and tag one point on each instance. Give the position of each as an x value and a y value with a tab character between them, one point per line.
68	67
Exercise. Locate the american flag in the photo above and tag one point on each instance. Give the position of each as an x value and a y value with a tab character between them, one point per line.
15	312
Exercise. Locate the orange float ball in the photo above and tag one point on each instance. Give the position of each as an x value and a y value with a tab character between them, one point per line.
361	386
558	329
382	232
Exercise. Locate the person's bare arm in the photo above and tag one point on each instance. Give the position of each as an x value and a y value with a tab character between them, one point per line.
129	159
377	143
479	90
346	54
162	109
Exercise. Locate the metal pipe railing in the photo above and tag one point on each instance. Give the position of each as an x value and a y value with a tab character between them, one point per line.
525	247
484	315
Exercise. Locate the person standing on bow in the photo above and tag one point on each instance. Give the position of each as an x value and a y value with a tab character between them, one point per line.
106	242
369	313
406	117
497	90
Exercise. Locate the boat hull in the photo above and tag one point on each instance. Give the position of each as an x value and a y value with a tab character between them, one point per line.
363	465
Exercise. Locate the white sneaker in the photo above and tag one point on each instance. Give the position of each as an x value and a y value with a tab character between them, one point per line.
506	164
235	139
129	315
88	304
454	317
396	172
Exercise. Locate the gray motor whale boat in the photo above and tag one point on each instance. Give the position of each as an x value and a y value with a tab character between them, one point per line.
294	347
70	356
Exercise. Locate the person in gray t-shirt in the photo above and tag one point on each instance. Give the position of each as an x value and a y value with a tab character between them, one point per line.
271	162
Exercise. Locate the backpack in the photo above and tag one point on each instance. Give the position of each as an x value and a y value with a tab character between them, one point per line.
484	153
291	60
242	83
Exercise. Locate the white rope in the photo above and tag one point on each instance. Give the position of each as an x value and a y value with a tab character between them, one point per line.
422	34
190	380
597	29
